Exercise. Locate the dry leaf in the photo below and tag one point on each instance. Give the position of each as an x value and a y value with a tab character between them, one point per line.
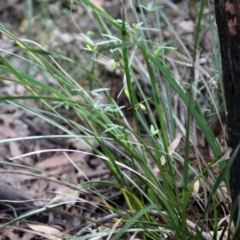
64	193
98	3
171	148
10	234
196	188
7	131
175	143
187	26
45	229
15	149
58	160
27	236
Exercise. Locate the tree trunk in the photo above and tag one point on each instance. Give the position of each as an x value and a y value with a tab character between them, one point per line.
228	22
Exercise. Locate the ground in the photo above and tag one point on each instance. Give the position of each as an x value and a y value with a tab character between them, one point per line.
61	162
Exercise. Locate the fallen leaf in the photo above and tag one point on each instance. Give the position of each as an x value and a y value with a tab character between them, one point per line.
45	229
7	131
59	160
175	143
15	149
98	3
64	193
196	187
10	234
187	26
171	149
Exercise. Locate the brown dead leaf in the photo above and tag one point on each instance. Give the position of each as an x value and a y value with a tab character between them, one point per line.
7	131
225	192
175	143
64	193
171	149
10	234
15	149
196	187
186	26
69	196
98	3
59	160
59	170
45	229
27	236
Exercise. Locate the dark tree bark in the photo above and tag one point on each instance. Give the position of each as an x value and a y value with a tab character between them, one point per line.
228	22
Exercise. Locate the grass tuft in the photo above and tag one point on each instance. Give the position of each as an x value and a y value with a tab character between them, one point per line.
144	143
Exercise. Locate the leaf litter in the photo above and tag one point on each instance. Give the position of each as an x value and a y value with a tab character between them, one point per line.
53	186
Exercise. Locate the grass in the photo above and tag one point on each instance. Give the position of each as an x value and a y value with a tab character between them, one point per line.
157	208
